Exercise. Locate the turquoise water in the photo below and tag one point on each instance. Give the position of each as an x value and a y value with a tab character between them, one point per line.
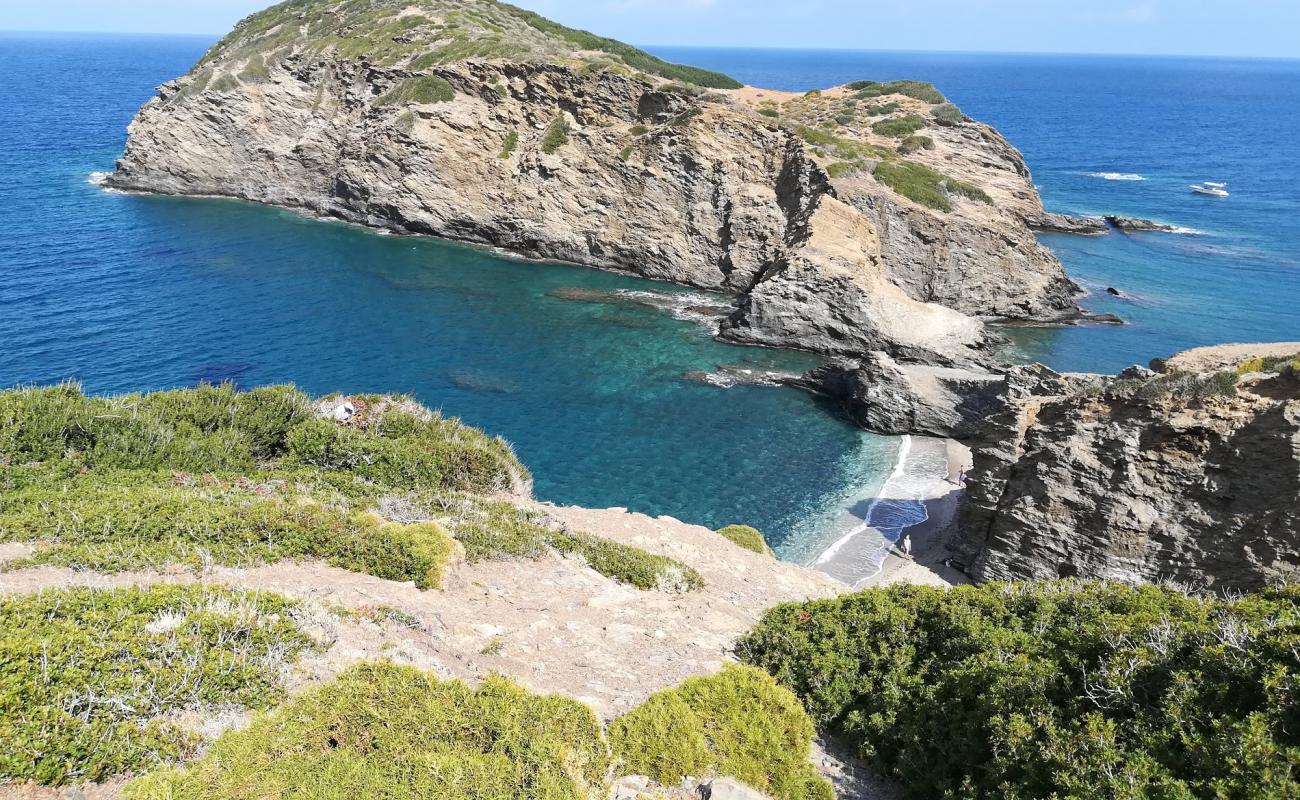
128	292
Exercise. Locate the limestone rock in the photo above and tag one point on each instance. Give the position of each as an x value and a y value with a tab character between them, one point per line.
698	189
1140	478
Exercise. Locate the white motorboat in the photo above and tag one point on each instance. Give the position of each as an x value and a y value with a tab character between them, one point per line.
1211	189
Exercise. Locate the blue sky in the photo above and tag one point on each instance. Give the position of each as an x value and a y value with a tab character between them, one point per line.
1196	27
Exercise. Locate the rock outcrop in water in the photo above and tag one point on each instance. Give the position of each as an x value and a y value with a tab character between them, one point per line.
866	217
1191	474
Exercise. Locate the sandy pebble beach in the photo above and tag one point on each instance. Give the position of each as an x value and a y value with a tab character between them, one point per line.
928	475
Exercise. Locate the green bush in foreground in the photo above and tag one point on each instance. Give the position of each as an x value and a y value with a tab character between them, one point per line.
214	429
556	136
1268	364
920	90
132	521
914	144
926	186
422	89
947	114
899	126
747	537
491	530
737	723
1052	690
90	680
388	731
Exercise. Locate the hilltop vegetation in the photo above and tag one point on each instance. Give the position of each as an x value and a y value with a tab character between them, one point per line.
1054	689
419	34
93	681
210	475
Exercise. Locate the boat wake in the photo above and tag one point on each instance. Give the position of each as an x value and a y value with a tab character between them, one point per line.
1116	176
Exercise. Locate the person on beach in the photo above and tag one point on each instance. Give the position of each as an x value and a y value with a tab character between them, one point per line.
907	545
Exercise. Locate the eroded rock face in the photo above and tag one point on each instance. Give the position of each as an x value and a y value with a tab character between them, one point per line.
889	397
1133	479
698	191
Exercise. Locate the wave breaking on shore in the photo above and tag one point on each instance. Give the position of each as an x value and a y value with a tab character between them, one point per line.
873	527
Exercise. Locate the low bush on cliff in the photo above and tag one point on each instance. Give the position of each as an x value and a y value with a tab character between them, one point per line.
947	114
737	723
422	89
383	730
899	126
133	521
391	443
509	144
556	136
1185	386
926	186
914	181
1055	689
746	537
913	144
1268	364
920	90
492	530
91	681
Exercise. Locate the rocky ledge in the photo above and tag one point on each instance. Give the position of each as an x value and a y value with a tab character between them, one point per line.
869	217
1190	474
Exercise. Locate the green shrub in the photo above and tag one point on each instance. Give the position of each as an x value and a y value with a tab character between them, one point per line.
747	537
492	530
914	181
770	112
845	119
139	521
1053	689
899	126
630	565
1188	386
919	90
923	185
947	114
1268	364
637	59
211	428
828	144
639	130
968	190
508	146
626	152
913	144
737	723
841	168
556	136
407	452
881	109
422	89
389	731
91	680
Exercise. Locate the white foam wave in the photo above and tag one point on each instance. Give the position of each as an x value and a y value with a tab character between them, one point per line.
895	477
1116	176
97	178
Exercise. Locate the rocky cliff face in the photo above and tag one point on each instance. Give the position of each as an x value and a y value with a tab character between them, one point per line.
1177	476
473	121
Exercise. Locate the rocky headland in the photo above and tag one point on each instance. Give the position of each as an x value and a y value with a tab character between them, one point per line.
860	218
1189	474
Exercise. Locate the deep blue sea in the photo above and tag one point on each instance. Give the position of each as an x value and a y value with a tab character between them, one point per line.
129	293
